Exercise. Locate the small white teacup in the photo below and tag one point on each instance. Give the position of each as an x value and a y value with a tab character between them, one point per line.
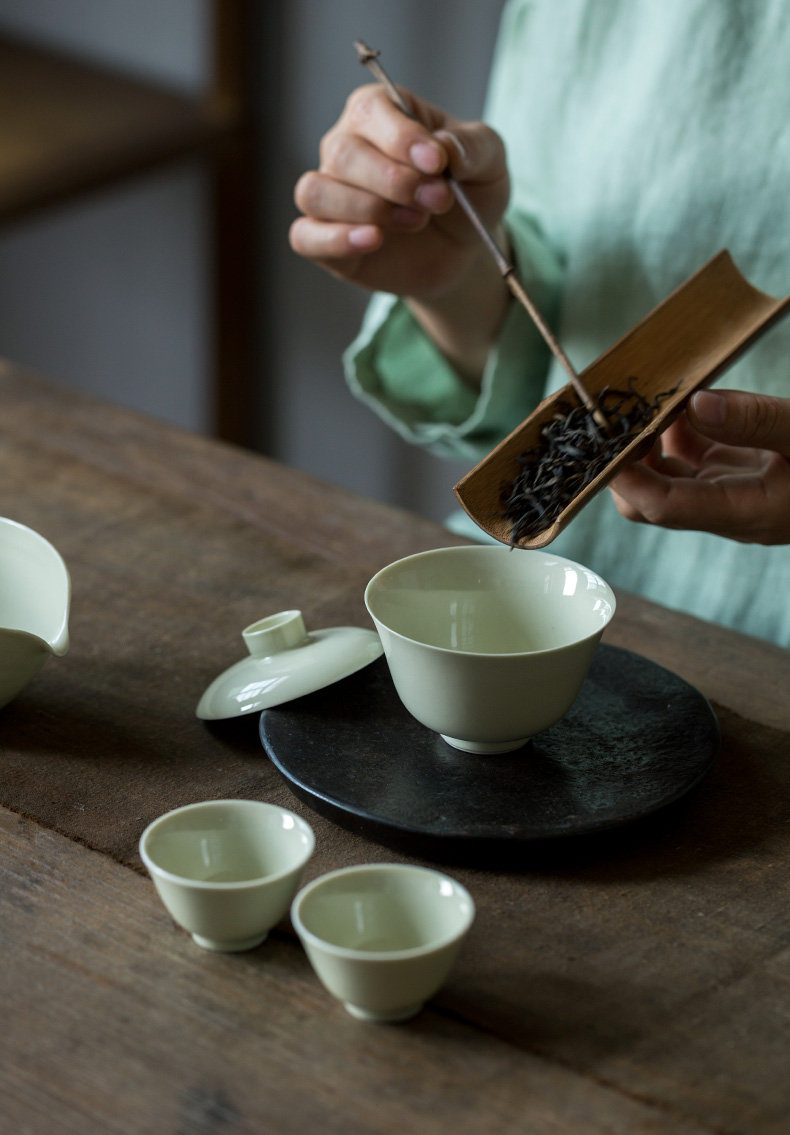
227	870
382	937
488	646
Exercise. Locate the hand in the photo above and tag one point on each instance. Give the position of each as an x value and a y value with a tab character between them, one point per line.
379	213
724	467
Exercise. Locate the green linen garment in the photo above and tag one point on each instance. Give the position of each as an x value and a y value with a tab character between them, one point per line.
642	138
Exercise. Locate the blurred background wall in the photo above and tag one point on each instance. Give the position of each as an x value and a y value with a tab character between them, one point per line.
110	293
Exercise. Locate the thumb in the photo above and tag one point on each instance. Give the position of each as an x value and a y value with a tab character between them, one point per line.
736	417
476	152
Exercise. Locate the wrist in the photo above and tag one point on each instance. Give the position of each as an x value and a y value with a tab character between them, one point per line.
465	320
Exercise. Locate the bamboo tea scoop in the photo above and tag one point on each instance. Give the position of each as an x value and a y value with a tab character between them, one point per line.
683	345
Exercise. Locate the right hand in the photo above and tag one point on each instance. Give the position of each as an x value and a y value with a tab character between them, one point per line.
723	467
378	213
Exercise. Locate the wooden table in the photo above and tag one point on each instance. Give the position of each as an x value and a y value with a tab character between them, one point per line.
634	983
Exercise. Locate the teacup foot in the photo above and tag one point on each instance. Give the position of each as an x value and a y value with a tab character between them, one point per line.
234	946
384	1017
484	746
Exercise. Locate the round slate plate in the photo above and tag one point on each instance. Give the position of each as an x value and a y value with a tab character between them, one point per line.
637	738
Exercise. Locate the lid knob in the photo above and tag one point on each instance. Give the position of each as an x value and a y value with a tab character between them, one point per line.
275	633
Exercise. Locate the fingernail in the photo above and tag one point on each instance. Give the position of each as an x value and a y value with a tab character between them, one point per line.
426	157
710	408
367	236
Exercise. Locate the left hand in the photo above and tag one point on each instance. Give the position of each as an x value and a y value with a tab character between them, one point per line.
723	467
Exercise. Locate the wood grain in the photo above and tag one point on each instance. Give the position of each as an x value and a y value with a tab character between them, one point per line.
115	1021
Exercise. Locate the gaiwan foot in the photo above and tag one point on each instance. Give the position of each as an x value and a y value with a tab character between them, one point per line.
489	747
234	946
389	1017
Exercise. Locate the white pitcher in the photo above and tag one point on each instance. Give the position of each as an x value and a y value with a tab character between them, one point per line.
35	595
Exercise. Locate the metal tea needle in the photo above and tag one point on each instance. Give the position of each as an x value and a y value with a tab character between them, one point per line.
370	59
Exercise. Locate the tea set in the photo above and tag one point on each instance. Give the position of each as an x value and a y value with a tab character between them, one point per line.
485	649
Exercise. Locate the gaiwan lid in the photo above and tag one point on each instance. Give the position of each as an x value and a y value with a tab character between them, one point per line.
285	662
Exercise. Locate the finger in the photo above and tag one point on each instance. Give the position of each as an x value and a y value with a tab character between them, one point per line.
626	509
654	456
371	114
331	242
476	153
648	497
351	160
478	162
662	462
324	199
682	441
749	508
739	418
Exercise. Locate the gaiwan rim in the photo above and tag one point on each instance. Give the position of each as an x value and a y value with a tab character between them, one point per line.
496	550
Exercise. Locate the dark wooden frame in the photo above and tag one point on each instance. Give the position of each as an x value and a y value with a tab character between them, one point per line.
69	128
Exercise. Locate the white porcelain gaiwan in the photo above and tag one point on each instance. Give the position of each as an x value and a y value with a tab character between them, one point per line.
488	646
35	596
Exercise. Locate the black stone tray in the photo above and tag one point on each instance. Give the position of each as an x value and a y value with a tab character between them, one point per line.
636	739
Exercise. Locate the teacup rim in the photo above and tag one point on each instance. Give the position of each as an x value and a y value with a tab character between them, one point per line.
352	954
498	548
237	884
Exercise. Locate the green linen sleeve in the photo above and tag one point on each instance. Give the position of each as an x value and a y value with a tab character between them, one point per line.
396	369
